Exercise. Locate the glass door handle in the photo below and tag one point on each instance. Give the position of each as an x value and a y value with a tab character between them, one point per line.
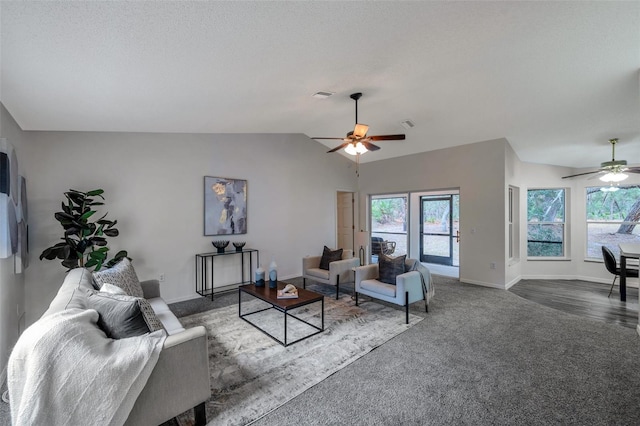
458	236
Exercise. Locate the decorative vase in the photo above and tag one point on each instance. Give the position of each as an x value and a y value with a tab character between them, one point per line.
260	276
239	245
273	275
220	245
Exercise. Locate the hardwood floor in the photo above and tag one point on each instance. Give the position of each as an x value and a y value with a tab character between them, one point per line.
583	298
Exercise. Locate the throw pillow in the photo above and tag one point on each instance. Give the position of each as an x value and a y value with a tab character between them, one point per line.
122	275
112	289
329	256
122	316
390	267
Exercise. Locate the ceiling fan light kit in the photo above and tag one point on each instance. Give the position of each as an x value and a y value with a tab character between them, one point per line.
614	177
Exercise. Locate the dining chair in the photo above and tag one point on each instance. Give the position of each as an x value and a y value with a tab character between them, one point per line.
612	266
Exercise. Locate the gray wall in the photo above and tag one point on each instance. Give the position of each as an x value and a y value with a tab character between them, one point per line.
154	187
478	170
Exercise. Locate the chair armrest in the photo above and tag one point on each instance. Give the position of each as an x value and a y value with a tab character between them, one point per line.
344	269
178	382
150	288
366	272
310	262
412	282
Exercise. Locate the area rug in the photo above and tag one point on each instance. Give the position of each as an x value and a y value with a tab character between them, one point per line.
251	374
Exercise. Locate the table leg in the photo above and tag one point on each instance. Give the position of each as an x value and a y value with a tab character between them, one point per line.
623	278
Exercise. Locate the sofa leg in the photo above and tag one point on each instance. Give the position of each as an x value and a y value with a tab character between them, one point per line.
200	414
426	306
337	286
304	283
406	304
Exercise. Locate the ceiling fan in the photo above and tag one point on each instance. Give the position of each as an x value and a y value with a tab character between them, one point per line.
357	142
611	171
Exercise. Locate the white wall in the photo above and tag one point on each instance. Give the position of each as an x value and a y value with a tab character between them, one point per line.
154	187
574	267
478	171
11	285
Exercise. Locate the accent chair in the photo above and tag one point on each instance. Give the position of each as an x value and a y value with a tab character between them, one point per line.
407	288
338	272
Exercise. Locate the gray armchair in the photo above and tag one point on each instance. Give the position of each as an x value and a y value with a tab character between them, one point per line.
408	289
340	271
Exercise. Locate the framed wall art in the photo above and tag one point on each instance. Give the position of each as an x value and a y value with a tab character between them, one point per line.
225	206
8	199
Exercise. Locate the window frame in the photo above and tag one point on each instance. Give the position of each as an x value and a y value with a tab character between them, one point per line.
565	225
614	249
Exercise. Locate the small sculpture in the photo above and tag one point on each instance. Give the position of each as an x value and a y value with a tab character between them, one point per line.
238	245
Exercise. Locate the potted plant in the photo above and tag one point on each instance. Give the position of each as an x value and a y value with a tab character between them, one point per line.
84	243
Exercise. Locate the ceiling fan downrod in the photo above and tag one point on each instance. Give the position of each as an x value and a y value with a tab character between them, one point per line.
355	97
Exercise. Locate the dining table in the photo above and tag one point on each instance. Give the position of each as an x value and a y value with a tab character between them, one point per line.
627	250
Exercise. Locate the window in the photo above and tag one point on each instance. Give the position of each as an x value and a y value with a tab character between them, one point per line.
389	224
612	218
546	222
514	223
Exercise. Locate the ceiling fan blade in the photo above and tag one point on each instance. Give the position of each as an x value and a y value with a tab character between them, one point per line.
370	146
633	170
338	148
315	137
387	138
582	174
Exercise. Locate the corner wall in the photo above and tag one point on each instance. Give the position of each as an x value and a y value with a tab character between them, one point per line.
478	171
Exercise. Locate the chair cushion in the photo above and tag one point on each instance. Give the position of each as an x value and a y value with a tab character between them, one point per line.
378	287
319	273
390	267
329	256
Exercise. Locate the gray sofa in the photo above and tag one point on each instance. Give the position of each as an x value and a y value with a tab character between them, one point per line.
180	379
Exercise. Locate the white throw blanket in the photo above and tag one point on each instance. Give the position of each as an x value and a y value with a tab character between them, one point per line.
65	371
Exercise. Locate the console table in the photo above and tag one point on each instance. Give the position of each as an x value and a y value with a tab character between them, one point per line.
205	268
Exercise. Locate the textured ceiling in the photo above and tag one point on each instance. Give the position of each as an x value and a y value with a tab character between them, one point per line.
557	79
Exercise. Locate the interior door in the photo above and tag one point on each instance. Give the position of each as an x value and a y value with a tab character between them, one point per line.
345	220
439	233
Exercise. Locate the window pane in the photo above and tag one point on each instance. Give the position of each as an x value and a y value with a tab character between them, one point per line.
545	205
389	221
612	218
606	234
623	204
545	240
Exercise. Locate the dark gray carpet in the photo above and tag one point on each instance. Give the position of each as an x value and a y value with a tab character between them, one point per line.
483	357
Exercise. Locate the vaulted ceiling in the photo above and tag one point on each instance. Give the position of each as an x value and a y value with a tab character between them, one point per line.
557	79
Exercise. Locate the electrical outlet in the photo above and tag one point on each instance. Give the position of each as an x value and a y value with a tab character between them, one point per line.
492	265
162	276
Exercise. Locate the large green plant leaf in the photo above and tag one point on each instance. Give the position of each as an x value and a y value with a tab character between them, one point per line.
84	242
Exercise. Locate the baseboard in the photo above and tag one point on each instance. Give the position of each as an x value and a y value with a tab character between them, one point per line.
513	282
632	282
482	283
